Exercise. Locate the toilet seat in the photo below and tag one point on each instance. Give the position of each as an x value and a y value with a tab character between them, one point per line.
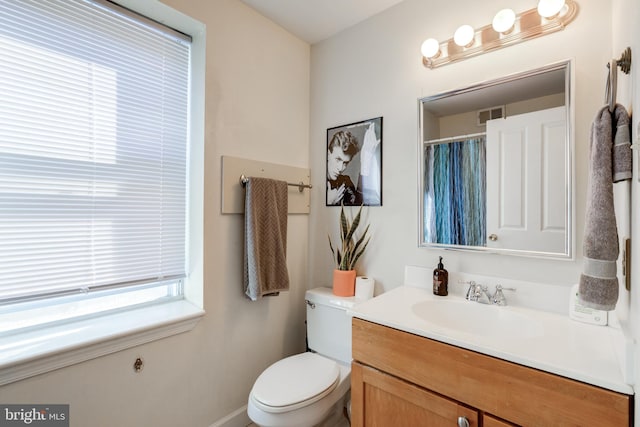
295	382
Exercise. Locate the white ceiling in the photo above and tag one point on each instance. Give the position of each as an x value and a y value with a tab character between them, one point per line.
316	20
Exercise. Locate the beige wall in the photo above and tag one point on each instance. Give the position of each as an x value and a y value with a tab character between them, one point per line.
375	69
257	106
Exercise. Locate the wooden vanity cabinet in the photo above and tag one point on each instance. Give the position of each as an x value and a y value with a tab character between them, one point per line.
401	379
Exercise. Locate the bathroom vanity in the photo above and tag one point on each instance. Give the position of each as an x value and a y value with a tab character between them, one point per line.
398	378
532	369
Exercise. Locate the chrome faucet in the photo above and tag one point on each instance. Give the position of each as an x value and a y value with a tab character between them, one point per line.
480	293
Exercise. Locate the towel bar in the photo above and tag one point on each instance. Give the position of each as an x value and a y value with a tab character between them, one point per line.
624	62
301	185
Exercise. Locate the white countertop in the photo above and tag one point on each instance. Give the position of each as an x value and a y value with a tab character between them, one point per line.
565	347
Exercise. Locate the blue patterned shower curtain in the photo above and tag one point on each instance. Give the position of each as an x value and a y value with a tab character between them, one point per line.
455	189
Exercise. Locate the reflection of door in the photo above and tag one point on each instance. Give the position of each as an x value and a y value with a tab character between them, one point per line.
526	165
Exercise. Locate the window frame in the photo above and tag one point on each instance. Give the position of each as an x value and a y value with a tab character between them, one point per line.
43	349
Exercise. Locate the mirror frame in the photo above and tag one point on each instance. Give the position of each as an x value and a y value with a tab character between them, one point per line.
567	66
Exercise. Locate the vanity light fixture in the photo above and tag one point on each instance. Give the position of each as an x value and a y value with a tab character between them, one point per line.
550	8
430	48
504	21
464	36
507	28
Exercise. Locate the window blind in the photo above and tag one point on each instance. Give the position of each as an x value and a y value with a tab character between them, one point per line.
93	149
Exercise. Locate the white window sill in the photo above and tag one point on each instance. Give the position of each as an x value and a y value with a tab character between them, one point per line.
38	351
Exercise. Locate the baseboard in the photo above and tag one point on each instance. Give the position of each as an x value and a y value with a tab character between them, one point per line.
237	418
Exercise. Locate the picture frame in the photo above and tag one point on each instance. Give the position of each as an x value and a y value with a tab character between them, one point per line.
354	164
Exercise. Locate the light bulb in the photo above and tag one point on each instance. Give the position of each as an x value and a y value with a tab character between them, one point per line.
550	8
430	48
504	20
464	35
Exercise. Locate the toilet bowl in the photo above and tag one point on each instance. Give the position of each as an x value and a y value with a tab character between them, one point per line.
312	388
304	390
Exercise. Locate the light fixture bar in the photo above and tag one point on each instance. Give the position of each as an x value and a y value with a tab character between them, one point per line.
528	25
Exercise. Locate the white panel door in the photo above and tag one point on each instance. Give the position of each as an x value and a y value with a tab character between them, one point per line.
527	181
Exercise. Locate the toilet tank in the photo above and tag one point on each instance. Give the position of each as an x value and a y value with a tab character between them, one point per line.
328	324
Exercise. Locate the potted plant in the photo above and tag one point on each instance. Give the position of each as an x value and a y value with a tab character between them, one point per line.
346	255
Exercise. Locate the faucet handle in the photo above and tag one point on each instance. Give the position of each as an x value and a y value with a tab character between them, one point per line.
471	290
478	292
498	296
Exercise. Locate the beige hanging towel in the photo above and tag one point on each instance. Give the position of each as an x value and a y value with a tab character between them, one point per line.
265	244
610	161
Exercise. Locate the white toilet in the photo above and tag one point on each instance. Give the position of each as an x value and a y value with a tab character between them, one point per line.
312	388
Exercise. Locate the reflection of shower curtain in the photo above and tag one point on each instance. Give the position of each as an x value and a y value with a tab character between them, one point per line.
455	188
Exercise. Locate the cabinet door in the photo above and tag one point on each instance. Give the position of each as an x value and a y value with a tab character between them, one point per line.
382	400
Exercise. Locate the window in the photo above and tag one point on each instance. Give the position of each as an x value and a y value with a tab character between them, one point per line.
100	161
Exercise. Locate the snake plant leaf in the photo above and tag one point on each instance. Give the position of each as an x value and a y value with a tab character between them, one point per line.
361	239
359	254
344	225
354	225
333	253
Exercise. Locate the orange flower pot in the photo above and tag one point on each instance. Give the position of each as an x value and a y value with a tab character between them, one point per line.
344	283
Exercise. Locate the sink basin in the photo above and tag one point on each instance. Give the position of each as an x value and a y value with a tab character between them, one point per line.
478	319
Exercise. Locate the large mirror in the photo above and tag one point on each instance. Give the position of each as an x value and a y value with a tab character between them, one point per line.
496	166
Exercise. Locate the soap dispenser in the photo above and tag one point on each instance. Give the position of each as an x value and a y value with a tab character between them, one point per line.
440	280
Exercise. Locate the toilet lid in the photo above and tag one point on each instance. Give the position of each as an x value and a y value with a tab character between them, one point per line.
295	382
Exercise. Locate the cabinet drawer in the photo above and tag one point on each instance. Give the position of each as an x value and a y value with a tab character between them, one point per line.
522	395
